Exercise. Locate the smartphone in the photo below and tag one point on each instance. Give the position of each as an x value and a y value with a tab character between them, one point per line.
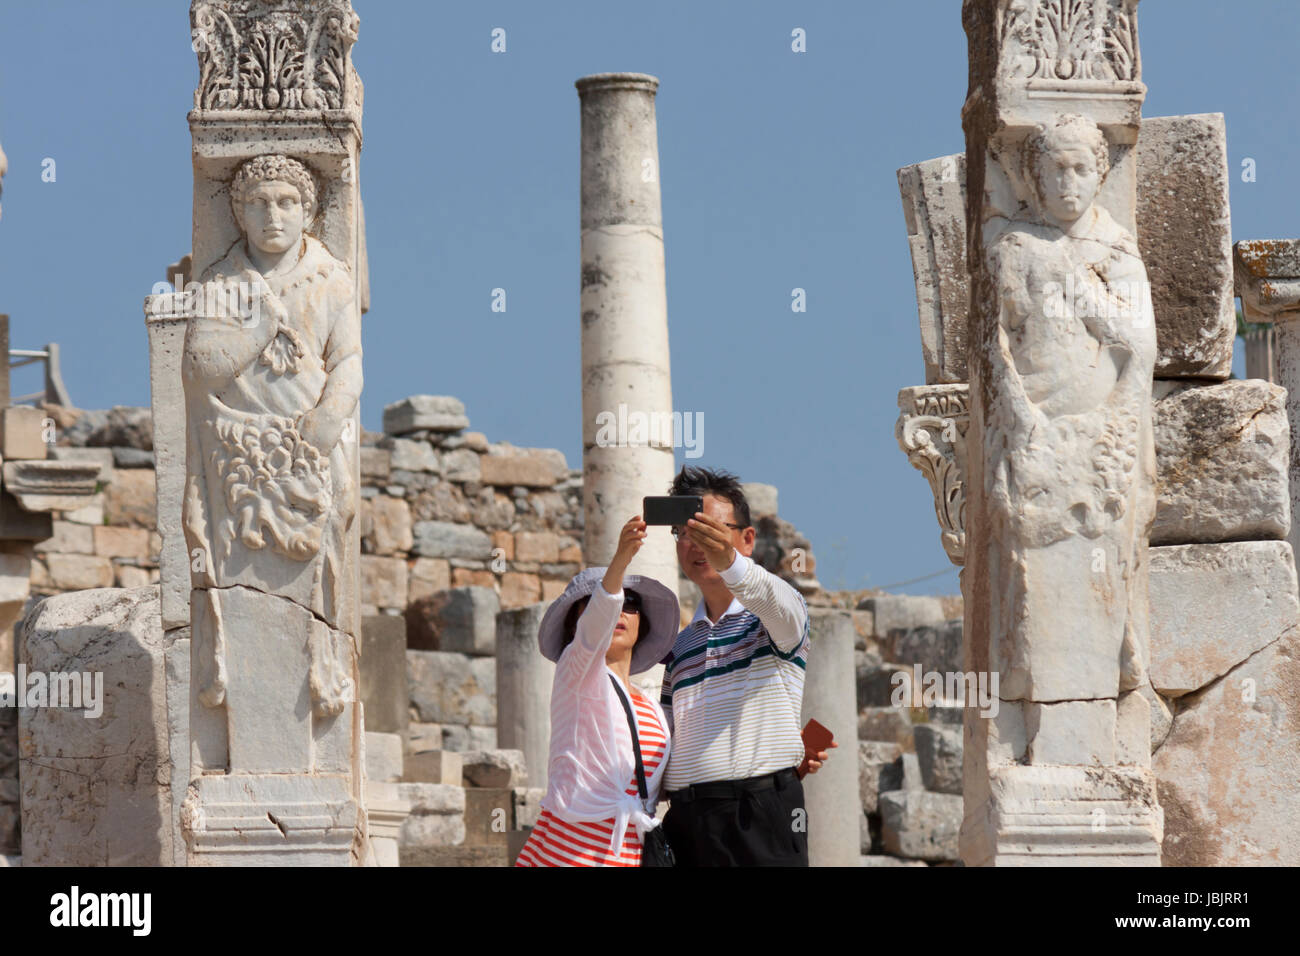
816	738
677	509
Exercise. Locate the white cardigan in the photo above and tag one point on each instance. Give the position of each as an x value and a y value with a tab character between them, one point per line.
591	758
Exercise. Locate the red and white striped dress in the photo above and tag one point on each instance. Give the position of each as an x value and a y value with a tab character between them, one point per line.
555	842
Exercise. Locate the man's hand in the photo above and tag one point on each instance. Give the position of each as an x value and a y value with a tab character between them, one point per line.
815	760
713	538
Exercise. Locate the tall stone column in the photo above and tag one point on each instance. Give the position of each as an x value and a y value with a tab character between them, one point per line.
270	375
626	386
1062	348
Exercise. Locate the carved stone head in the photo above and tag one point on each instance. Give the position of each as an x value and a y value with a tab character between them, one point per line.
1064	165
273	198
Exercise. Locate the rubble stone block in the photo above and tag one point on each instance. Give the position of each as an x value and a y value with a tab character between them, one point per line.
1221	460
1214	605
519	590
889	724
901	611
452	688
383	581
96	791
113	542
130	499
410	455
376	463
79	572
876	771
437	413
494	768
939	754
936	647
427	576
461	464
537	546
69	538
22	433
517	469
435	766
386	525
443	539
921	825
456	619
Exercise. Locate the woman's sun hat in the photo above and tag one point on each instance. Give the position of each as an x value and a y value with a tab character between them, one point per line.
658	605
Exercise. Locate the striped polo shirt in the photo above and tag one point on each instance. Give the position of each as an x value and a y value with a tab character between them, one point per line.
733	690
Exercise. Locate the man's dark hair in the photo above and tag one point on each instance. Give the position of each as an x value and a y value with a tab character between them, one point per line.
711	481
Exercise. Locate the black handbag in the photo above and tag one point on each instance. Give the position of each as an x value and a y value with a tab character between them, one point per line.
655	850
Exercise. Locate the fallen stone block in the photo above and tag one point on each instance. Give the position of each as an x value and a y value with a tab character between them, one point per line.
494	769
96	775
438	413
939	754
921	825
450	688
878	771
462	620
936	647
434	766
902	611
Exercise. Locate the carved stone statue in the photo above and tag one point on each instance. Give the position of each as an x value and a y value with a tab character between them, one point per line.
1072	460
272	377
270	394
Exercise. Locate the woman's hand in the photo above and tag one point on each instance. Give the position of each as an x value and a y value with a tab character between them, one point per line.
630	540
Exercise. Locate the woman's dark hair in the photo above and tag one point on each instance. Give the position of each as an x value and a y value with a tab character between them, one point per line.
713	481
580	605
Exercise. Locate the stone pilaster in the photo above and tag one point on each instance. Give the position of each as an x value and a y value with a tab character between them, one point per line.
1062	348
270	372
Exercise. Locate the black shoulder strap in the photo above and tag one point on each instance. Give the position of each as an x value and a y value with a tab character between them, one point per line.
636	741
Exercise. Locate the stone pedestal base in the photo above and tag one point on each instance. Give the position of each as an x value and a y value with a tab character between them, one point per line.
1063	816
270	820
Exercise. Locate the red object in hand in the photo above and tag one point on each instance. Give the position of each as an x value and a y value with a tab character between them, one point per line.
816	738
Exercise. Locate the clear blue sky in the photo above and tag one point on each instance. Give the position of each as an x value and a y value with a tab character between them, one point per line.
778	171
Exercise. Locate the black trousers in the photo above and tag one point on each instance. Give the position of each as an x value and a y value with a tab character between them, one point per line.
762	822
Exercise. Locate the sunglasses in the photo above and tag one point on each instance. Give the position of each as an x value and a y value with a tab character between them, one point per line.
678	530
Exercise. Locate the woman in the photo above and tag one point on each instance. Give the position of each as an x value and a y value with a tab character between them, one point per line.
603	625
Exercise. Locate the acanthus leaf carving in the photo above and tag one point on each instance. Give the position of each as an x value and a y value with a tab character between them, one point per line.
285	55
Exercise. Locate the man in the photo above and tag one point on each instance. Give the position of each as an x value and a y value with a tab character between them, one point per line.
733	690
